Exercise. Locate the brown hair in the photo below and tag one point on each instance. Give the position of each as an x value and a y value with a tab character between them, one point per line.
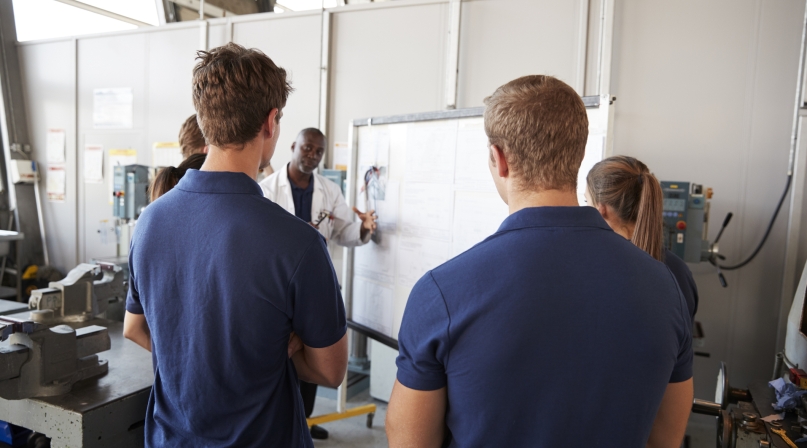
191	139
234	90
540	124
626	185
169	177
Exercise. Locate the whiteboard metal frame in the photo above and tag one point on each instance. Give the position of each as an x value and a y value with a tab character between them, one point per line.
350	193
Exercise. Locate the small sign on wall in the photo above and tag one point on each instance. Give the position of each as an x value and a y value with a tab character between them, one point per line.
56	183
112	108
93	164
56	142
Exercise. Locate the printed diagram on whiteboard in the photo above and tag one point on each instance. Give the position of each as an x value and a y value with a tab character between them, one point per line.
428	179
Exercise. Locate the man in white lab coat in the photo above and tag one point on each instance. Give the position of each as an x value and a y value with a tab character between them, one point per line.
318	201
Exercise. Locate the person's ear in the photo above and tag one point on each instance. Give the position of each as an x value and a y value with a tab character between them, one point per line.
604	211
271	122
499	161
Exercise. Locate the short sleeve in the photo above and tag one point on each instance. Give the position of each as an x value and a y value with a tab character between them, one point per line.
319	312
133	296
683	365
423	340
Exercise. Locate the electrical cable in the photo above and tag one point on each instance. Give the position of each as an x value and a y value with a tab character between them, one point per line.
767	231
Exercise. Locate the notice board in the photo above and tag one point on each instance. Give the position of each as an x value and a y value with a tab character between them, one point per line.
427	177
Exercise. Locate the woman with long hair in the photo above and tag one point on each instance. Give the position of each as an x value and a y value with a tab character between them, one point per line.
629	198
169	177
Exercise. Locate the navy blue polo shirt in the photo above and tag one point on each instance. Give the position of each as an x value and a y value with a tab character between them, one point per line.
687	284
554	329
302	198
223	276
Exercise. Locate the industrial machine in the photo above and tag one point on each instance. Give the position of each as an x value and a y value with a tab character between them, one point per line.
41	356
743	416
686	220
130	191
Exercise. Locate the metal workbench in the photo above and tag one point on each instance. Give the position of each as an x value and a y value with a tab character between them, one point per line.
12	307
106	411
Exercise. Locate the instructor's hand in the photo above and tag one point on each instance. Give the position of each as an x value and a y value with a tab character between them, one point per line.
368	221
295	344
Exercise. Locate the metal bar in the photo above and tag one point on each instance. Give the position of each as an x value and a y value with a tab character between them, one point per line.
204	28
104	12
358	410
797	164
425	116
202	10
205	9
40	217
161	14
324	73
453	53
369	332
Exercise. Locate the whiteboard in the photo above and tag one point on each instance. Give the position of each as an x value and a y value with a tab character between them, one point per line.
427	178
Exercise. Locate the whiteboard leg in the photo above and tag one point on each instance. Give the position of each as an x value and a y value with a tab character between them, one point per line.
341	396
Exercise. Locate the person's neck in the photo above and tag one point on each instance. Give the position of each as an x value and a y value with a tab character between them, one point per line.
246	160
521	199
625	230
298	177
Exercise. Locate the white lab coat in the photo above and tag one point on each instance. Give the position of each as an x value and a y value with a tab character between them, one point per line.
343	229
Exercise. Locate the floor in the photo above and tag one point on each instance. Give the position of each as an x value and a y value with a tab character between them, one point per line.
352	432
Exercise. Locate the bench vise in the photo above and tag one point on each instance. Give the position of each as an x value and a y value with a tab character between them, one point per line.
80	296
41	361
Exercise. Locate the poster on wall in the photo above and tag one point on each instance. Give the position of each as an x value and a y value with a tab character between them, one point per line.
165	154
56	183
93	164
112	108
118	157
55	145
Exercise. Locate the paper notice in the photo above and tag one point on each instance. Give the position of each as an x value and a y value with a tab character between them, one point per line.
594	154
473	156
93	164
56	143
56	183
477	215
427	209
373	305
112	108
165	154
418	256
430	152
377	260
341	156
118	157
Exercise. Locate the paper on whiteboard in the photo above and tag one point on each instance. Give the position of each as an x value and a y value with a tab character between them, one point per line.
417	256
594	154
56	183
377	260
93	164
427	210
341	156
477	215
164	154
374	143
372	305
387	210
473	156
56	143
112	108
430	152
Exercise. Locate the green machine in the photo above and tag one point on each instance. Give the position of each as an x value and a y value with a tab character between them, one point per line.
686	220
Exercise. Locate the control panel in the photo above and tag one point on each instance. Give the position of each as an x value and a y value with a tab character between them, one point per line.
686	216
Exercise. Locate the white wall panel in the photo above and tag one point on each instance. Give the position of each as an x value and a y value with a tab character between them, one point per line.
114	61
170	56
385	61
49	82
301	62
501	40
705	94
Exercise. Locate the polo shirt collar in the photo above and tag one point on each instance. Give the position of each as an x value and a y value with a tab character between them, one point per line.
221	182
554	217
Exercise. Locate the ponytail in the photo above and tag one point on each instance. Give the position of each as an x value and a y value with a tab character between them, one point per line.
169	177
648	233
627	186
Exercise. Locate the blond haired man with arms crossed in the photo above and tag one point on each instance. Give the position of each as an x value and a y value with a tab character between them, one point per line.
236	316
554	330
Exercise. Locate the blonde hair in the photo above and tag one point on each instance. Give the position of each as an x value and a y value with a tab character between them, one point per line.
540	124
633	192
